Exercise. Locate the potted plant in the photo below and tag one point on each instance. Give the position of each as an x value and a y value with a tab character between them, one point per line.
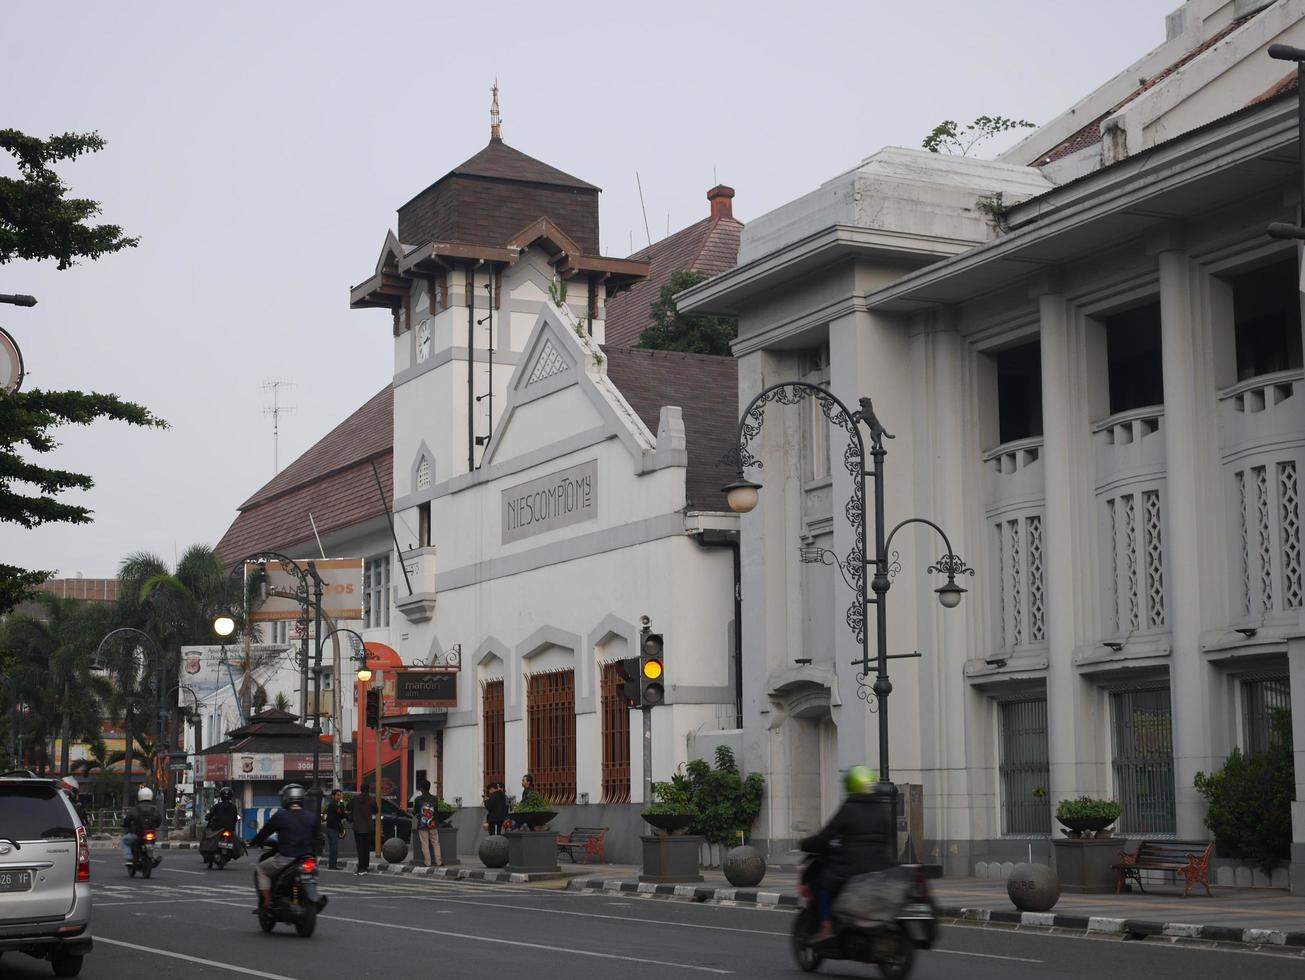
532	811
448	834
672	812
669	854
1085	816
532	847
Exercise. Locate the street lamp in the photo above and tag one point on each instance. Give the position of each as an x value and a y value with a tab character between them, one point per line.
359	655
157	660
743	494
224	626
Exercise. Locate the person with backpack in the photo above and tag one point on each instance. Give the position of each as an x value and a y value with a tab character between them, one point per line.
425	808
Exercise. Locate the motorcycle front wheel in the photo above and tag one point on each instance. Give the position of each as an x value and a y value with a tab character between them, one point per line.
895	955
307	921
265	920
807	959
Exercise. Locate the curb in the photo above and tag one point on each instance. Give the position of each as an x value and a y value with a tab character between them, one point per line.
454	872
1087	925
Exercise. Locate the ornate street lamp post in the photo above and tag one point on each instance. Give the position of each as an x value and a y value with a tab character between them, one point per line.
742	496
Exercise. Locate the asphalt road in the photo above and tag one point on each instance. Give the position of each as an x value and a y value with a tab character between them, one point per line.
189	922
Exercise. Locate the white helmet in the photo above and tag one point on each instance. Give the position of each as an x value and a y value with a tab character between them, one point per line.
144	795
70	782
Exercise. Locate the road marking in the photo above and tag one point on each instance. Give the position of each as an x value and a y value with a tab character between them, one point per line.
988	956
178	871
513	942
193	959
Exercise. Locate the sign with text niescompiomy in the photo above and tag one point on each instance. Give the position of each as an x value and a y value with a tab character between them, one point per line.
550	502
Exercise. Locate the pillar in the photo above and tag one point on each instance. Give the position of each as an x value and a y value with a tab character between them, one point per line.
1296	662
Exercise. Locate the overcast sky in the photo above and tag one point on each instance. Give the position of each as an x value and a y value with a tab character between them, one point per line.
260	151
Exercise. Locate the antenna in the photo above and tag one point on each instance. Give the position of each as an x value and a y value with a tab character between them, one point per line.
495	120
646	231
276	410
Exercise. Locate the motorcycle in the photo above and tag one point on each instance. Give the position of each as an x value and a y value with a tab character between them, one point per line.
295	898
220	847
142	855
880	918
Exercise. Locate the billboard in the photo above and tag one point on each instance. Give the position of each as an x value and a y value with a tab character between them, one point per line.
342	592
204	671
425	688
258	765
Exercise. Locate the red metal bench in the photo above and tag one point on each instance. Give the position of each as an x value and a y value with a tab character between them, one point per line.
1190	860
588	839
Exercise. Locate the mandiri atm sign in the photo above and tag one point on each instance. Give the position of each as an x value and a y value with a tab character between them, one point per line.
425	689
342	593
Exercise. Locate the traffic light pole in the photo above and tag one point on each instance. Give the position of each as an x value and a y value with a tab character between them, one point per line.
647	755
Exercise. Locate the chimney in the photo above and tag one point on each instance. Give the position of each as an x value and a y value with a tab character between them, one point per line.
721	198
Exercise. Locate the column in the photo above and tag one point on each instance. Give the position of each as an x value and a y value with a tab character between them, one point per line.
1189	398
1296	661
1069	552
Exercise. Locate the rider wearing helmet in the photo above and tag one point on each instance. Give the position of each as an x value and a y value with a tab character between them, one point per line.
864	830
298	835
74	791
140	818
224	814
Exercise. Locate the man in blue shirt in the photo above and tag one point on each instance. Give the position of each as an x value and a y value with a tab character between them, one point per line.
298	834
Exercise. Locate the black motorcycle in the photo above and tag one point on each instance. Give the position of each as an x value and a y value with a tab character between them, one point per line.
220	847
295	898
884	918
142	855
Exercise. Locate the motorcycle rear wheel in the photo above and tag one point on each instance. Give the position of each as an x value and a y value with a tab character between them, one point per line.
131	871
895	955
307	921
807	959
146	868
222	862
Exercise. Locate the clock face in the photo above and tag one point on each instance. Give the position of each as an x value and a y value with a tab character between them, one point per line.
423	341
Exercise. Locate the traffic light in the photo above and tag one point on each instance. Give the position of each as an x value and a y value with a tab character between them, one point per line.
652	673
374	708
628	672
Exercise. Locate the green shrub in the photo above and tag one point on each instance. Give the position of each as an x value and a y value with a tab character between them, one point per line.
1250	803
673	799
724	802
444	806
532	802
1087	808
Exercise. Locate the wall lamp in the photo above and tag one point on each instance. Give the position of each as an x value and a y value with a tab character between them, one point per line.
1115	645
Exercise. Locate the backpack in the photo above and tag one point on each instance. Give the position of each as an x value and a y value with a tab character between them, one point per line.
426	816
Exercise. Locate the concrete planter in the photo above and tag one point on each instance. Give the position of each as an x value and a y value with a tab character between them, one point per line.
670	859
532	851
448	844
744	866
1084	865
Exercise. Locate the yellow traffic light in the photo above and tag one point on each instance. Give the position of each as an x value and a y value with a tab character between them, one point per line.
652	669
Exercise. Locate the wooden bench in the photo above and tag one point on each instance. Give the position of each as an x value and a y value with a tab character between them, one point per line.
1186	858
588	839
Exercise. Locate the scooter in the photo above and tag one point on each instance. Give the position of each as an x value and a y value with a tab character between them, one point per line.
142	855
295	898
220	847
902	920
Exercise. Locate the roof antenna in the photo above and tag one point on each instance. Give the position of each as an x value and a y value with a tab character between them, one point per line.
495	120
276	410
646	230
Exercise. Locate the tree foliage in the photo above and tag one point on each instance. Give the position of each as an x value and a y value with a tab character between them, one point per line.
38	221
951	137
724	802
692	333
1250	800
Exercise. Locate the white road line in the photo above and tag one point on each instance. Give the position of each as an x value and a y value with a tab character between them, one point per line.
193	959
536	946
987	956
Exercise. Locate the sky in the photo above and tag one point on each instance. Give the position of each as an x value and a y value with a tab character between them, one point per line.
260	150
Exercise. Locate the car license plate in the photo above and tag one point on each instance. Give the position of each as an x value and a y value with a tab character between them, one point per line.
226	845
15	881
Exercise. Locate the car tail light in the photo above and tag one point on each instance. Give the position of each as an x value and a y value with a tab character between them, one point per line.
149	837
309	865
226	833
83	856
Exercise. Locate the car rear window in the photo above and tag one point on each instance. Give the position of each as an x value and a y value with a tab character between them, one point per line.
30	812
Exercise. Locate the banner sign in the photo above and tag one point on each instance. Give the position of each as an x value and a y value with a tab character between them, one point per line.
204	672
550	502
342	592
425	688
213	768
258	765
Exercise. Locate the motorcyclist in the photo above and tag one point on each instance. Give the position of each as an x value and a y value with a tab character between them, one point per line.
224	814
298	833
864	830
138	819
74	791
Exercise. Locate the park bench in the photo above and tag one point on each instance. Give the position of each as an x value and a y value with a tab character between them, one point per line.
588	839
1186	858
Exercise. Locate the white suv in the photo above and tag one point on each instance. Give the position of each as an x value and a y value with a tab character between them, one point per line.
45	874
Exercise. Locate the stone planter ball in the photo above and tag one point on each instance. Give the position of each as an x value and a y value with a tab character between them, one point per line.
394	850
744	866
1033	887
493	851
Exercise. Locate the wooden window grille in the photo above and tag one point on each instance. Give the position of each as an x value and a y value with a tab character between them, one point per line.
550	713
494	731
616	738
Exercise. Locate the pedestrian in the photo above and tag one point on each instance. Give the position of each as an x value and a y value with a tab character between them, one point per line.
334	816
496	807
426	809
527	786
364	826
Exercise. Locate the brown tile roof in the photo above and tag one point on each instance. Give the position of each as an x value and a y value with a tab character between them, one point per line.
711	246
333	479
1090	134
1288	83
502	162
706	388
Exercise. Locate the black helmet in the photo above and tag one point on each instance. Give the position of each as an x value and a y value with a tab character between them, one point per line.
293	794
225	794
